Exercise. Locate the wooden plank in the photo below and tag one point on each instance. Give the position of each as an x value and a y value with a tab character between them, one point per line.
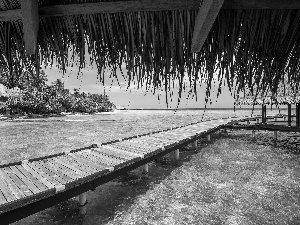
8	15
18	182
207	14
8	194
131	147
141	150
79	166
142	143
2	199
100	161
92	167
119	6
116	162
30	19
96	154
11	185
57	171
156	142
43	167
69	172
261	4
117	153
33	188
63	162
37	175
40	170
100	165
33	179
116	150
128	149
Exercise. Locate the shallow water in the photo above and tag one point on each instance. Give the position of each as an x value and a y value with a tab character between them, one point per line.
39	137
113	202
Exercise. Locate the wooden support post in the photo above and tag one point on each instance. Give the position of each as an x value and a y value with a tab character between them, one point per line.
146	168
253	134
298	114
82	203
264	113
195	144
208	138
289	115
275	134
30	19
205	19
176	154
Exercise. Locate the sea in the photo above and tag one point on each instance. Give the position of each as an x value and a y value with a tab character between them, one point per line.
25	139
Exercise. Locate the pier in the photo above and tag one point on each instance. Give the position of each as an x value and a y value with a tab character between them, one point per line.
30	186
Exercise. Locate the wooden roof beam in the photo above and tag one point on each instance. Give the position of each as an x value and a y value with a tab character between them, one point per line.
207	14
261	4
145	5
30	19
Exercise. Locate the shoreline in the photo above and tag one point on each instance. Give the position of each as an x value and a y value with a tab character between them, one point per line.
29	117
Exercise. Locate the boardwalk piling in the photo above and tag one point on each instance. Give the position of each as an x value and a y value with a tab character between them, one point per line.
275	134
82	203
195	145
289	114
253	134
145	168
208	138
176	154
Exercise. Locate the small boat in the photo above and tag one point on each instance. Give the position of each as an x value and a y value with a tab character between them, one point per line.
66	113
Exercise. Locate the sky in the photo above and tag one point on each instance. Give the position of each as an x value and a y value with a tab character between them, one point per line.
133	98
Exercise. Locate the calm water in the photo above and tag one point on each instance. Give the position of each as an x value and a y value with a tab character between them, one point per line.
21	140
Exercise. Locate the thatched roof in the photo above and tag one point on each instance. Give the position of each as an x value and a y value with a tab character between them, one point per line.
246	47
285	95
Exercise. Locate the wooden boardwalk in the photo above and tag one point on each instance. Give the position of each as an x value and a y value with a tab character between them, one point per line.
273	123
29	186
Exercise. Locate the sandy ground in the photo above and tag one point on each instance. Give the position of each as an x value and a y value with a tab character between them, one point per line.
234	180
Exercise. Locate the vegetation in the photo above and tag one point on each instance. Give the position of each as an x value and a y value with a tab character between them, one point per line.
35	96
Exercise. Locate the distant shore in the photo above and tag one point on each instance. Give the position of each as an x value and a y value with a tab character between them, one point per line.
41	116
